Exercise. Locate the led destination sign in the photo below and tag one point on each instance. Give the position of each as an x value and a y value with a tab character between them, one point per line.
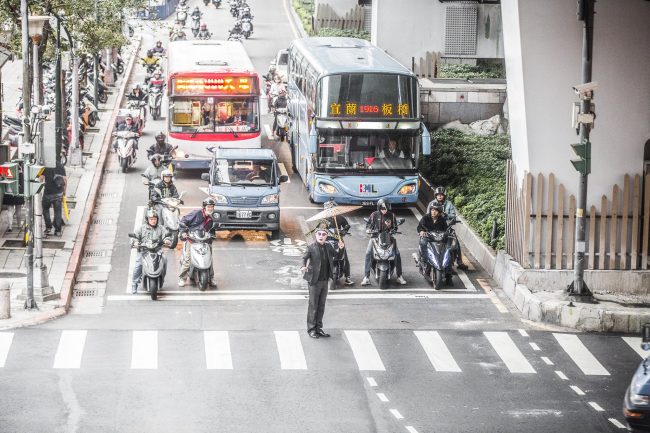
383	110
214	86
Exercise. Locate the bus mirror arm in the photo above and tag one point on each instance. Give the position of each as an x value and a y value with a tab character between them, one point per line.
426	140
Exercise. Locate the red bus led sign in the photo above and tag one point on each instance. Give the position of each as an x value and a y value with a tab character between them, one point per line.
217	85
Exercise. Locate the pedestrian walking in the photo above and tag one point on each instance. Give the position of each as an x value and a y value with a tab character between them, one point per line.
55	186
318	266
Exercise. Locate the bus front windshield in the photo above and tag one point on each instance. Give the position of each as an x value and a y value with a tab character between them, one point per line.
345	150
210	114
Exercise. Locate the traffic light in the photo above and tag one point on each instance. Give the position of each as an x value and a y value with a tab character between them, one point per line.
33	182
583	150
9	177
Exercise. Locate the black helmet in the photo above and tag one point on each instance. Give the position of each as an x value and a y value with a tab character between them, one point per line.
149	53
204	26
436	206
208	201
156	157
383	204
329	204
440	190
160	138
159	43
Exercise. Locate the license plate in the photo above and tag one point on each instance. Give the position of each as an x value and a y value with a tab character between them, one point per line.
244	214
367	203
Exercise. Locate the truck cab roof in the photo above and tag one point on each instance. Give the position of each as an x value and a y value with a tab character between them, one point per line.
220	153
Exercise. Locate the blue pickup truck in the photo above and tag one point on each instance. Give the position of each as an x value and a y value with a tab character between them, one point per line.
245	184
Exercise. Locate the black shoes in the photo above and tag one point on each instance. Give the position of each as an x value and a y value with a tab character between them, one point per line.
313	333
322	333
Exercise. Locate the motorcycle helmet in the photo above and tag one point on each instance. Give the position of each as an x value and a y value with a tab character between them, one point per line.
160	138
436	206
383	204
204	27
166	173
329	204
196	9
149	53
283	93
208	201
440	190
156	157
151	213
159	44
128	119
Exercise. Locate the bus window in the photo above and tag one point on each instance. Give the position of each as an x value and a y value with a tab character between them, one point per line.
214	114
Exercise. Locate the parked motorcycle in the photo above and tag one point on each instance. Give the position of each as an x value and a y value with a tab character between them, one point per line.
154	266
88	112
200	258
383	254
281	123
437	266
125	148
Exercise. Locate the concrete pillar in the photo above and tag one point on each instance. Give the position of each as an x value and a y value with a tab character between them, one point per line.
5	300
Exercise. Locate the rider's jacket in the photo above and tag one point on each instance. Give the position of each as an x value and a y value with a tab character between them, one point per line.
158	50
447	207
164	190
150	61
427	224
377	221
152	172
148	233
122	126
164	149
197	220
196	14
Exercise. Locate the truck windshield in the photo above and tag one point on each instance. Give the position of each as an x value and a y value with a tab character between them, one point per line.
244	172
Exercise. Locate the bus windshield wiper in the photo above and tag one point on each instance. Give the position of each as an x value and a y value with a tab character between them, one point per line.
196	130
234	133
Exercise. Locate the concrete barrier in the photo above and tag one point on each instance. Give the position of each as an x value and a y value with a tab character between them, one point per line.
5	300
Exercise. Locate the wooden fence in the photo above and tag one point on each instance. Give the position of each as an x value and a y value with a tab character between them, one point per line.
541	233
325	17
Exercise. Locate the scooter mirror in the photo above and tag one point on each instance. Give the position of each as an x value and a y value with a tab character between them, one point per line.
132	235
645	337
400	221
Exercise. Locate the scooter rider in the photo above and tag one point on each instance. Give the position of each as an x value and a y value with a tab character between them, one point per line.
138	95
280	102
449	212
165	188
343	225
158	50
127	125
154	171
433	221
196	13
203	32
146	232
197	219
160	147
377	223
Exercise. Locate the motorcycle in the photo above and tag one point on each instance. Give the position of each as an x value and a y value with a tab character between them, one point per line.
282	123
196	24
154	266
200	258
181	16
125	148
178	36
89	112
333	239
246	27
383	254
205	36
154	101
206	2
216	3
136	108
441	256
236	36
635	402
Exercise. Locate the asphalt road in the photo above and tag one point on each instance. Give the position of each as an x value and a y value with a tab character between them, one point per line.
238	359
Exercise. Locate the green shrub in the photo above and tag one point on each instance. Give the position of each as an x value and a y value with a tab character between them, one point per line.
462	71
361	34
473	169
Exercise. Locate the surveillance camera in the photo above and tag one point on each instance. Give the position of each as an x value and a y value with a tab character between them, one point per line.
35	109
583	89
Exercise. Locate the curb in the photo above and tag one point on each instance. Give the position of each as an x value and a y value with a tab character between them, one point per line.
296	19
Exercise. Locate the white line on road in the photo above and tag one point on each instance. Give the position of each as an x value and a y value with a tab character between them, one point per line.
296	35
396	414
290	350
371	381
580	355
269	133
139	214
523	332
70	349
437	351
561	375
411	429
279	297
144	353
577	390
364	350
217	350
535	347
509	353
466	281
635	344
596	406
416	212
547	361
382	397
5	344
616	422
283	171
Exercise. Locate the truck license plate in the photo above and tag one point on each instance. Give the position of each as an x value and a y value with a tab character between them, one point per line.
244	213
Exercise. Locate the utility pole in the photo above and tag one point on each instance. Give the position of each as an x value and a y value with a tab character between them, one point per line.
59	113
583	149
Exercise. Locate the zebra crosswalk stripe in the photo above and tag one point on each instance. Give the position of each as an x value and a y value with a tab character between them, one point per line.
509	353
437	351
635	344
144	354
290	350
217	350
70	349
579	353
5	344
364	350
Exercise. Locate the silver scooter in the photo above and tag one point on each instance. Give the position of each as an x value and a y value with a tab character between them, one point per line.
125	147
200	258
154	265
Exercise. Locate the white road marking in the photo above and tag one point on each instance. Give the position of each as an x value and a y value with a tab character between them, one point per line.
437	351
204	190
301	207
561	375
371	381
535	347
139	214
416	212
269	133
523	332
364	350
616	422
144	353
382	397
466	281
279	297
509	353
217	350
580	355
70	349
635	344
290	350
396	414
577	390
411	429
294	30
283	171
5	344
596	406
547	361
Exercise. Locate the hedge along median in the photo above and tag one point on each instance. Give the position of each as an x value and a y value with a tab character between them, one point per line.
473	169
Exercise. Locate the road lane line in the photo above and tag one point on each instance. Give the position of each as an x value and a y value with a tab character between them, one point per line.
437	351
396	414
580	355
561	375
509	353
382	397
523	332
577	390
616	422
596	406
364	350
292	357
635	344
269	133
280	297
547	361
217	350
294	30
371	381
535	347
144	353
466	281
416	212
411	429
139	214
70	349
6	339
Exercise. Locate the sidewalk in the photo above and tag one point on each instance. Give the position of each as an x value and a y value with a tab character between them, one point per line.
62	255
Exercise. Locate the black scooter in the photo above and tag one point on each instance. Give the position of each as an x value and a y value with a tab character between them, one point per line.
441	256
333	239
383	253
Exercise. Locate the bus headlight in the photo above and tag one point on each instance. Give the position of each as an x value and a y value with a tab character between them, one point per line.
271	199
327	188
407	189
219	199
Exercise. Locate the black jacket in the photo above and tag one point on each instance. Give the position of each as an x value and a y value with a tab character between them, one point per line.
194	221
312	259
162	190
427	225
376	222
165	149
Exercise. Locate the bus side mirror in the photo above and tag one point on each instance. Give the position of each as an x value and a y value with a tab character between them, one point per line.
313	140
645	337
426	141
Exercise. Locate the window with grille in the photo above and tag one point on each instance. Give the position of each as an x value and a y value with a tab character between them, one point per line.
460	29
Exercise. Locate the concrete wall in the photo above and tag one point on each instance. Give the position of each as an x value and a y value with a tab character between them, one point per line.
543	43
